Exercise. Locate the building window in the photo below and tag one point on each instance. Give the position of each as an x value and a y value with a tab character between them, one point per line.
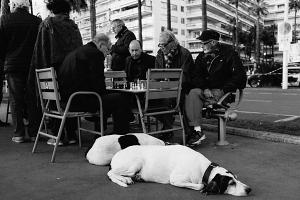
182	20
182	32
182	9
175	31
174	7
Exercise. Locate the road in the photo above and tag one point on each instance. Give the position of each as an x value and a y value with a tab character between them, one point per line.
271	101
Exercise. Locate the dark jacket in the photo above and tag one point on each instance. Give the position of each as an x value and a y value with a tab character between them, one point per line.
58	36
18	32
137	69
119	50
225	71
183	60
82	70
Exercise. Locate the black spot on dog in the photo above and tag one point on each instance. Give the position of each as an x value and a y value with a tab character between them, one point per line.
217	185
128	140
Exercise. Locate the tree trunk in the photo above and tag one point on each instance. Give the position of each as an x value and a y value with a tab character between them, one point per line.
169	15
4	7
204	15
140	22
236	26
93	18
257	46
295	25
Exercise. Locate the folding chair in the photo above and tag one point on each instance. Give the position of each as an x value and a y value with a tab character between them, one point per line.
162	84
49	92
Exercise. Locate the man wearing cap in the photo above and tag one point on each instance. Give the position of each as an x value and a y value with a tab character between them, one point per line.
218	70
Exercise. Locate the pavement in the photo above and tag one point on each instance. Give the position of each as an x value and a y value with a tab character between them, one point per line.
271	169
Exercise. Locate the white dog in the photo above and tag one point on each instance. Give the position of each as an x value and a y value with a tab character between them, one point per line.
104	148
177	165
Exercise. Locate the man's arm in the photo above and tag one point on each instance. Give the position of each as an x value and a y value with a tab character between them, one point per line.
238	78
199	73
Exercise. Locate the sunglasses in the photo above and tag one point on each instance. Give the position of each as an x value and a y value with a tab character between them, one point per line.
160	45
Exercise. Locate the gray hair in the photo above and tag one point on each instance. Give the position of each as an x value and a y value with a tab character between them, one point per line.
118	21
19	3
101	38
169	35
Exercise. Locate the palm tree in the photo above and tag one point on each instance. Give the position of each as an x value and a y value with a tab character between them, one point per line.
169	15
259	8
4	7
236	3
294	4
204	15
93	17
140	22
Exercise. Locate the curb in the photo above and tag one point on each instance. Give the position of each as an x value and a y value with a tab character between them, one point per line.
275	137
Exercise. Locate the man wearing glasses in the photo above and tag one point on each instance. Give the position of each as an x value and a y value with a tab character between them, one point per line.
172	55
218	70
119	51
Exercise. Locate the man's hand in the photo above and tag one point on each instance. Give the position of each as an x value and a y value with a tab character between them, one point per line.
207	93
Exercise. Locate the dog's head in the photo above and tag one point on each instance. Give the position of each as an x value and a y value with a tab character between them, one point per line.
225	182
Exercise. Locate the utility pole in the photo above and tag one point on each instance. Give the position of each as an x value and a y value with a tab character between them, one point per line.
169	15
285	51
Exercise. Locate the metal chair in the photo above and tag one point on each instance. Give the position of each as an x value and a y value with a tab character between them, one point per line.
49	93
162	84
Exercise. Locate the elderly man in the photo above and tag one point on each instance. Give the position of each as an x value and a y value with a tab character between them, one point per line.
218	70
172	55
138	63
18	32
119	50
83	69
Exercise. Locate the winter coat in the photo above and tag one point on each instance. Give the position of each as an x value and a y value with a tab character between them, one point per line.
224	71
119	50
18	32
184	60
137	69
82	70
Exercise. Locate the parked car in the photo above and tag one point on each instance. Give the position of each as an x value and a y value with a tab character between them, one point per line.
274	78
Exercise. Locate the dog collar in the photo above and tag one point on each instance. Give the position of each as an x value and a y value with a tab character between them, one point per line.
207	172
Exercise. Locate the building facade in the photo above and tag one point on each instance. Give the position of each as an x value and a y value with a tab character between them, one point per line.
276	16
186	16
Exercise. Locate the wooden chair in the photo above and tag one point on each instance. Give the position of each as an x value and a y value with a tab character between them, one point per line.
49	93
162	84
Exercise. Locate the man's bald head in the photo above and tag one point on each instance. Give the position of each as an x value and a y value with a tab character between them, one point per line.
135	49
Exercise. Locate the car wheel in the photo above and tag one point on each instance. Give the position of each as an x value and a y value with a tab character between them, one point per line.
254	83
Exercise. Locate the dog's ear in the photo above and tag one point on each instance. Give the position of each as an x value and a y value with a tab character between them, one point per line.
224	183
128	140
213	186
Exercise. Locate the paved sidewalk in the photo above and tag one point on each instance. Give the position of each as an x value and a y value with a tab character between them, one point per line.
271	169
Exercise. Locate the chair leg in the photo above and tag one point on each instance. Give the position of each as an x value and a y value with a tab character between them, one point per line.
58	138
79	131
7	110
182	126
38	134
222	132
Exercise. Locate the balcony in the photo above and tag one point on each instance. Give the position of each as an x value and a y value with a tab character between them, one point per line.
131	13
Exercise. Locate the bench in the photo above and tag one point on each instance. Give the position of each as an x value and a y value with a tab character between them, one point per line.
223	110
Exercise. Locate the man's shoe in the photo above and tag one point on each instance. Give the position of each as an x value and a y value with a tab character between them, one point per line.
18	139
196	138
52	142
72	141
3	124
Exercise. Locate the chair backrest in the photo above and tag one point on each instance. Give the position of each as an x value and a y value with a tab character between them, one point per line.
163	84
48	88
114	78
